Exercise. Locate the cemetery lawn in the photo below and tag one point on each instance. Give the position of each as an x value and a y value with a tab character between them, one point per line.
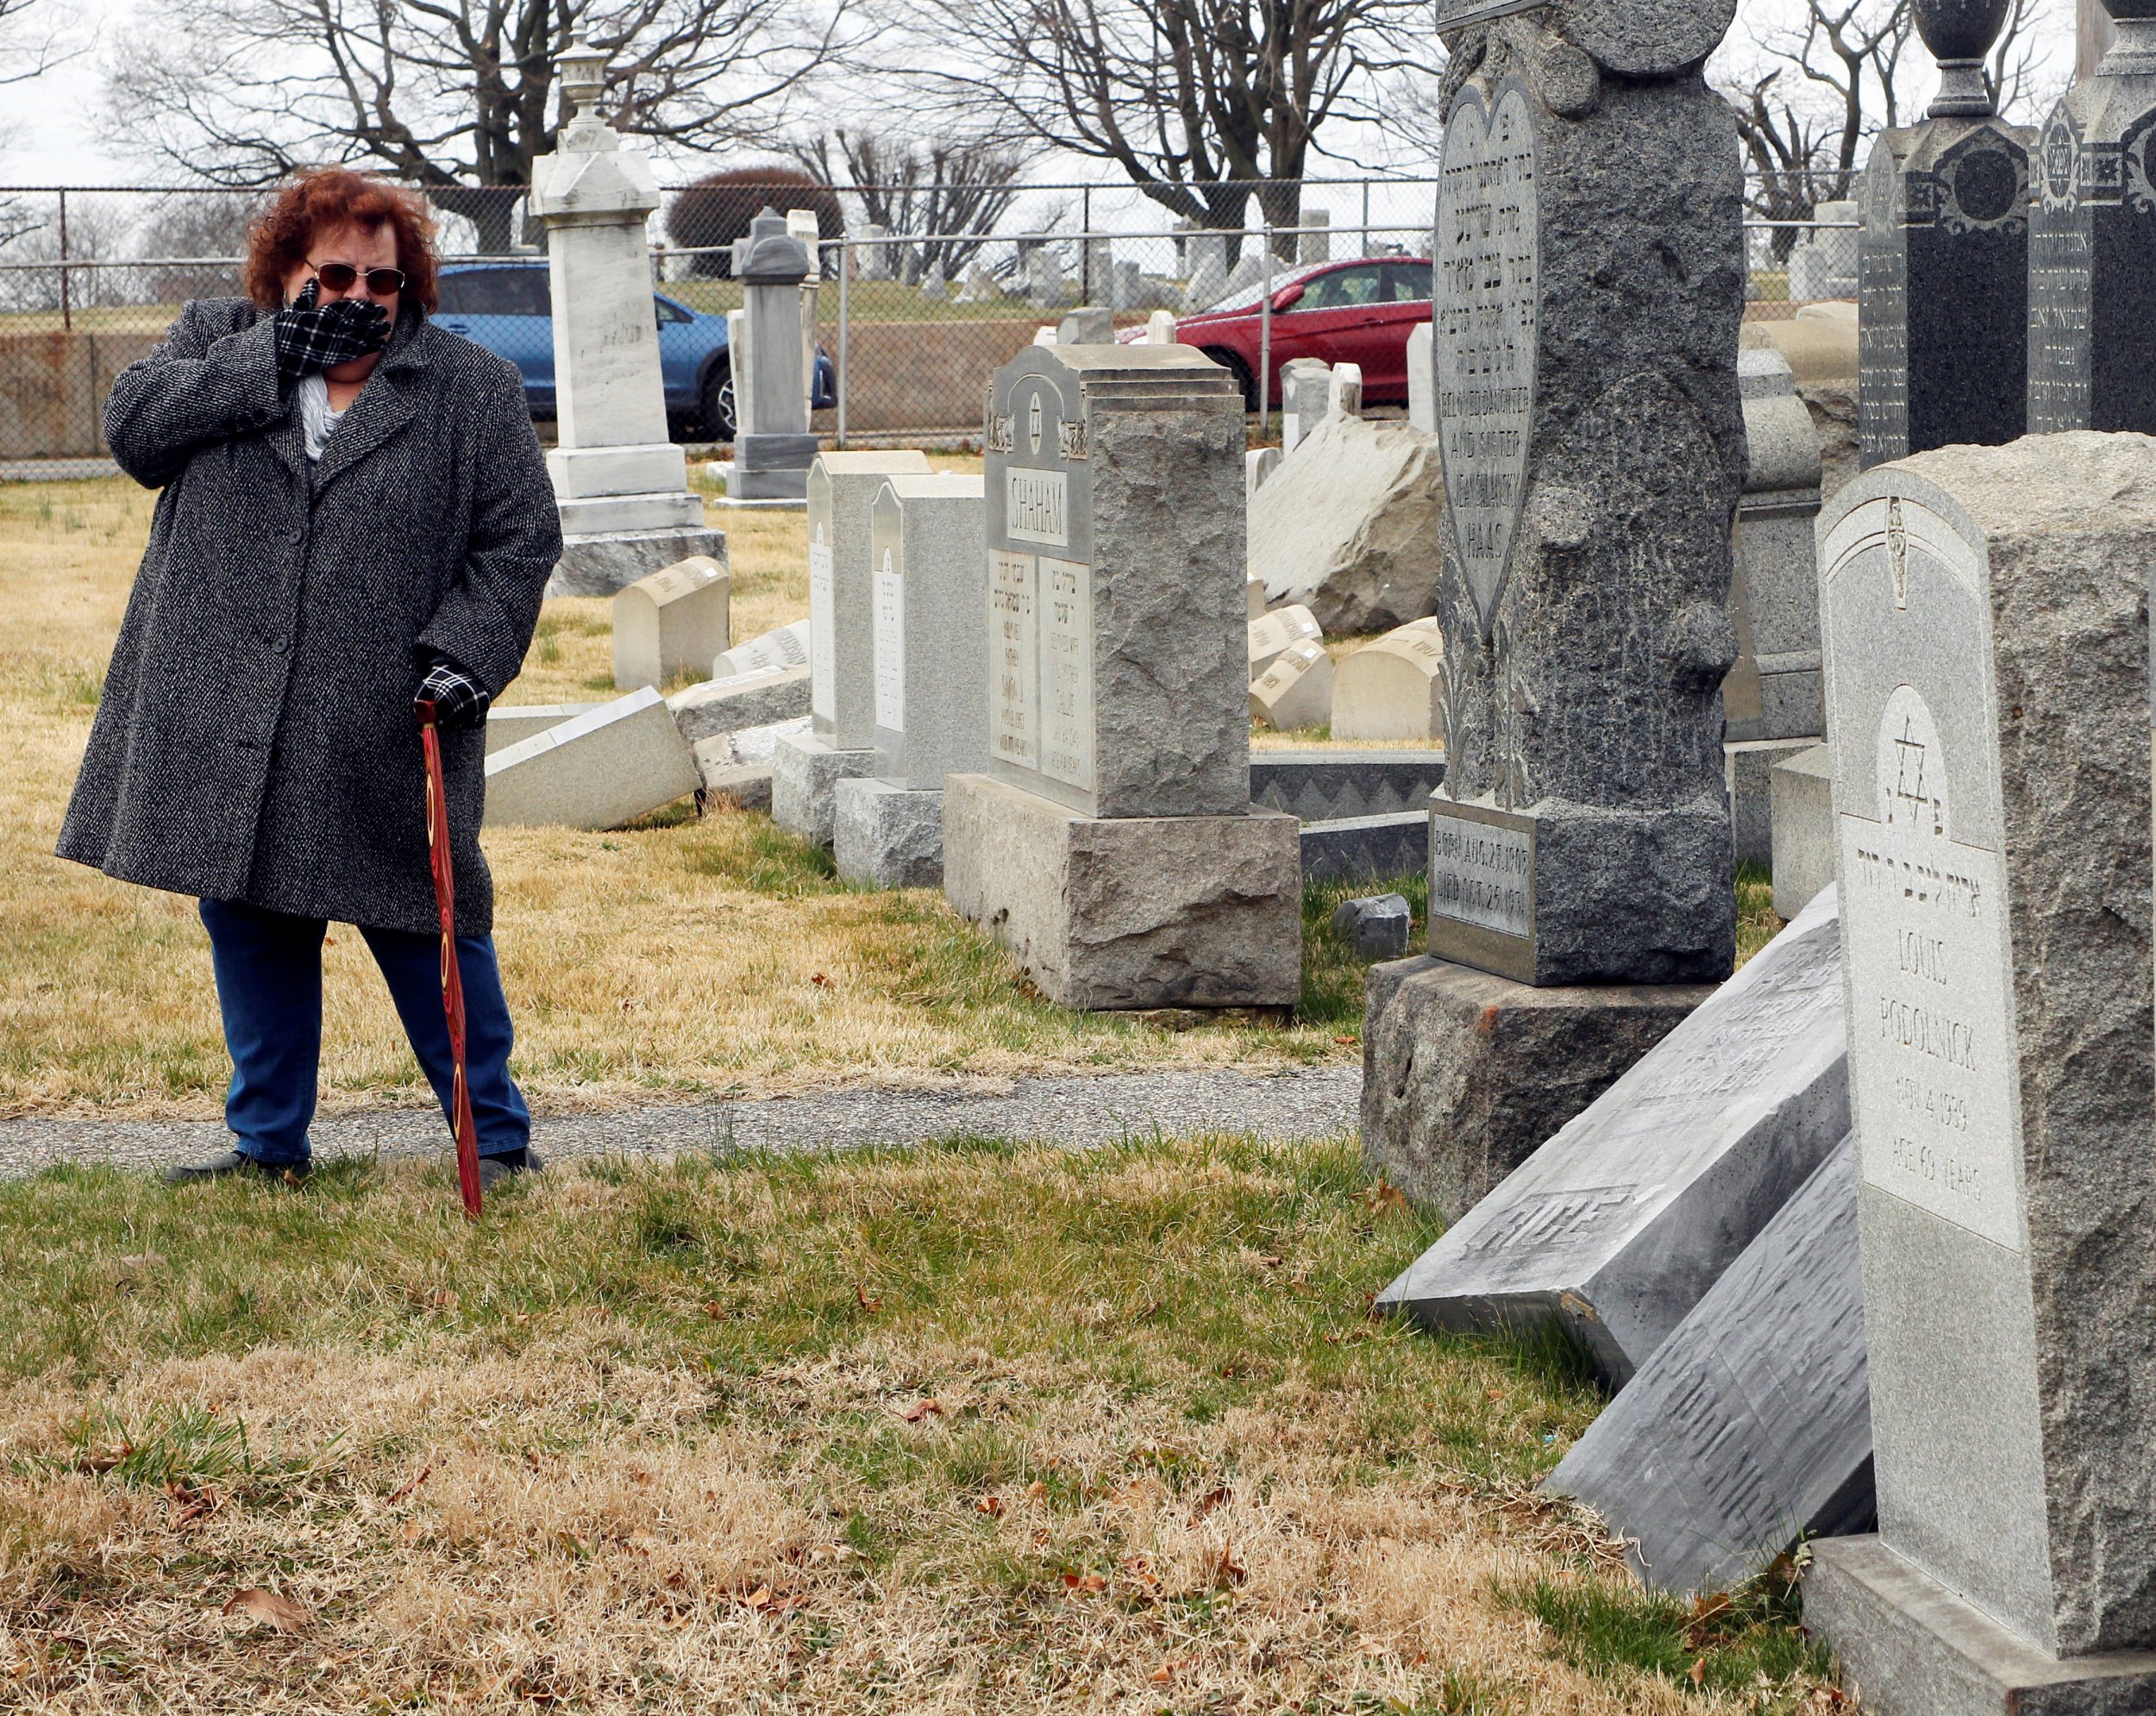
680	959
972	1428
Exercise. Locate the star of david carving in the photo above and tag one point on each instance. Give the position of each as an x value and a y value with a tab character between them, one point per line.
1911	756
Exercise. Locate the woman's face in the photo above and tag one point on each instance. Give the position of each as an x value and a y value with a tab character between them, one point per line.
363	248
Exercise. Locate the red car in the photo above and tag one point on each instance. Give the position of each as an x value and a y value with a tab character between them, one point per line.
1338	312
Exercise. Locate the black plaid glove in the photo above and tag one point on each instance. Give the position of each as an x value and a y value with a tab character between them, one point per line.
460	701
311	337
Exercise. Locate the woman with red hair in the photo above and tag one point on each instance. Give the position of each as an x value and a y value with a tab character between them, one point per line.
355	518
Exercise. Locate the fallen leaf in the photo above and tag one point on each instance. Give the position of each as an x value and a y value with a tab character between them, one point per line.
266	1607
1227	1570
1348	1041
715	1310
868	1305
1698	1672
990	1504
1270	1261
923	1409
820	981
404	1491
443	1298
191	1505
1087	1581
1037	1489
1212	1499
1040	1534
1384	1195
1167	1670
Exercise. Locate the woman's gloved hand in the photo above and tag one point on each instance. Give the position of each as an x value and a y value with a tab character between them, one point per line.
313	336
460	701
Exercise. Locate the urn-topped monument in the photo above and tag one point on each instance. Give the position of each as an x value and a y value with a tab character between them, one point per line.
623	486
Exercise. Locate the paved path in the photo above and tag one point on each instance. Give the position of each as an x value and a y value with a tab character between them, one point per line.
1315	1103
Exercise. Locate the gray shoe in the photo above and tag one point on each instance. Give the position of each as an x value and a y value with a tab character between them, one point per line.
234	1161
494	1170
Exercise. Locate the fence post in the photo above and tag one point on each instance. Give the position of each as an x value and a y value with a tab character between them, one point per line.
66	313
1085	245
845	272
1366	217
1265	339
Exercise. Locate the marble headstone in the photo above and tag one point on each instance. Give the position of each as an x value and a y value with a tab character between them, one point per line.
773	447
842	489
1394	688
1617	1226
1751	1426
1985	620
931	667
1943	263
1586	333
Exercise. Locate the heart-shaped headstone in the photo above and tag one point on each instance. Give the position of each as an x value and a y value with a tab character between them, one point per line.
1487	322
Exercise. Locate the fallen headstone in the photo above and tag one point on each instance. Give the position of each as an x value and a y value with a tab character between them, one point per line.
596	770
1087	325
1392	689
1273	635
1378	927
1352	527
1617	1226
788	647
744	700
1296	690
672	623
1751	1426
508	726
737	766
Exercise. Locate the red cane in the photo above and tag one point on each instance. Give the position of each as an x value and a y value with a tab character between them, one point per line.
467	1134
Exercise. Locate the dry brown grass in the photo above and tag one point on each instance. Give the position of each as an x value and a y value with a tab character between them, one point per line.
694	957
959	1431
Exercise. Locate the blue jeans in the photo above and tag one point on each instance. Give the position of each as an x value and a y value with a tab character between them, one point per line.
269	988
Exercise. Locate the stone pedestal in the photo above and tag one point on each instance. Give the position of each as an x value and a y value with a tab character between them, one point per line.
1943	261
1128	912
1803	794
1985	630
1447	1112
886	835
805	775
622	485
1590	278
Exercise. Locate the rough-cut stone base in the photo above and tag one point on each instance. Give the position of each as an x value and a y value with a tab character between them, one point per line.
1130	912
600	565
804	776
889	836
1804	838
1909	1646
1465	1075
1749	765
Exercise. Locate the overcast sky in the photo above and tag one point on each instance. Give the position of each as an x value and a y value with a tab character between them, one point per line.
56	132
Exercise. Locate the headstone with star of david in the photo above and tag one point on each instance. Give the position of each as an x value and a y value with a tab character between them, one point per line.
1589	287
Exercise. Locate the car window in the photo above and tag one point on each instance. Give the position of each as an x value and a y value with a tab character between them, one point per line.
1410	281
496	292
670	312
1344	289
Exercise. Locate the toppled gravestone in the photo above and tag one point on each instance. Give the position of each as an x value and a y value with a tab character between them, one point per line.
1351	526
743	700
1617	1226
596	770
1751	1426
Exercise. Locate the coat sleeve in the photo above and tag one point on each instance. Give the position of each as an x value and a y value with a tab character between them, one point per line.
486	622
202	384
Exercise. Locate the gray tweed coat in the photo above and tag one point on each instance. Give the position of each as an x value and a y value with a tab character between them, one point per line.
256	740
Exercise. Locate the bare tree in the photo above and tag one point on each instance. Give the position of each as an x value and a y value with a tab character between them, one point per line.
1200	103
456	96
934	188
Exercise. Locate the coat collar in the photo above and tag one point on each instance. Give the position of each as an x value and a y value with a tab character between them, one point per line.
384	405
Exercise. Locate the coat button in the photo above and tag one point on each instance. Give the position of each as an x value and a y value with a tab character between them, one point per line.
280	644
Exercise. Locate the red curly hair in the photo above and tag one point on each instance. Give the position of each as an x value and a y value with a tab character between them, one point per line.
323	197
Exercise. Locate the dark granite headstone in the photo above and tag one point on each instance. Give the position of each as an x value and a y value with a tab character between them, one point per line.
1751	1426
2092	248
1943	261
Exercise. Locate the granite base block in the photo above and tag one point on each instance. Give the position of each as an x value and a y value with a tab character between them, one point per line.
718	706
1751	765
1804	838
599	565
1909	1646
1330	785
1466	1075
889	836
1366	848
804	776
1130	912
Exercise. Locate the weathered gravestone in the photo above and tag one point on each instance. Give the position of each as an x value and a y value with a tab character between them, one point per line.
1589	288
787	646
1617	1225
595	770
932	680
670	623
1943	259
2092	244
1985	628
1273	635
1750	1428
1112	843
621	484
1087	325
1392	689
1422	382
1586	322
773	447
1306	390
806	770
1295	690
1772	695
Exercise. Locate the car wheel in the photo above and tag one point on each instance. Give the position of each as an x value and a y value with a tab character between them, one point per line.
1241	371
717	402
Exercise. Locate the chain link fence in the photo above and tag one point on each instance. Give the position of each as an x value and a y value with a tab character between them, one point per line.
912	321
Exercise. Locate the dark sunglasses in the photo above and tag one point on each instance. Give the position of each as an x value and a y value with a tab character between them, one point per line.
339	277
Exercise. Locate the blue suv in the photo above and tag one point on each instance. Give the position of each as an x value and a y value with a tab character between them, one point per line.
505	307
